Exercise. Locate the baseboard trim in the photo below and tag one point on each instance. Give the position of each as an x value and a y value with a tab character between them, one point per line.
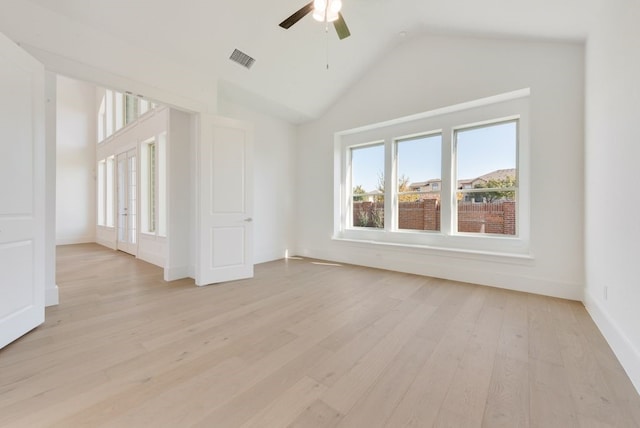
105	243
154	259
76	240
622	347
175	273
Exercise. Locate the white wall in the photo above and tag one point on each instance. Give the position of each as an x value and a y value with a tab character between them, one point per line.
437	71
75	162
612	154
180	197
273	174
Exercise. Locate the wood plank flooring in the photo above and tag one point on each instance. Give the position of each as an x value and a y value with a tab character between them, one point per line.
305	344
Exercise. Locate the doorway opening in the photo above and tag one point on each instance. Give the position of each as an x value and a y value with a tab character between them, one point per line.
116	154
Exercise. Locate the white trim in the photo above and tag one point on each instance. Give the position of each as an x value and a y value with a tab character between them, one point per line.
623	348
175	273
150	257
51	296
75	240
106	243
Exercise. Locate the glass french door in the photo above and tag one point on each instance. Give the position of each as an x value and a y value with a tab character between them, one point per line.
127	202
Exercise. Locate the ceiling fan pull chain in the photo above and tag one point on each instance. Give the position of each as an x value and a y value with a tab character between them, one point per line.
326	32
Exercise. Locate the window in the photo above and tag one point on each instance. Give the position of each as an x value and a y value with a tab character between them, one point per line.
418	161
105	190
451	178
153	199
101	119
101	192
148	186
119	114
117	110
132	195
488	154
144	106
367	178
151	180
109	194
130	109
161	154
109	113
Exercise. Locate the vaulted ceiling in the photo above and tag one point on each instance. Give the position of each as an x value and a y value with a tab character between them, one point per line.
291	65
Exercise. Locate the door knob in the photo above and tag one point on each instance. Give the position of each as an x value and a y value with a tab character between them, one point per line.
248	219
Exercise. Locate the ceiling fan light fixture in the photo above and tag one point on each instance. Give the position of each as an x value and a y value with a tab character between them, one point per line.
319	6
326	10
318	15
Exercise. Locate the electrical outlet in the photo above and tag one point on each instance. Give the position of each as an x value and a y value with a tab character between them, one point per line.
606	292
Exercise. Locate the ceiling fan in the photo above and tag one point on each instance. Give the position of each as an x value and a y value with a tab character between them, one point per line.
323	11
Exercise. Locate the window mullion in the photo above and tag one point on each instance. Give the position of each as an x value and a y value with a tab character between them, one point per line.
447	195
390	186
347	180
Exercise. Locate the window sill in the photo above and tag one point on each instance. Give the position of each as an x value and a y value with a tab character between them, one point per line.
477	254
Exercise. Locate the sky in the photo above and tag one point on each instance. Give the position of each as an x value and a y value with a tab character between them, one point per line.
480	151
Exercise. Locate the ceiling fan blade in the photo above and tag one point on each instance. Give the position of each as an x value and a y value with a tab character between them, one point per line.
287	23
341	27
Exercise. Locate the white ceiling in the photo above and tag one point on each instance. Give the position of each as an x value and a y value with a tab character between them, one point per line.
290	69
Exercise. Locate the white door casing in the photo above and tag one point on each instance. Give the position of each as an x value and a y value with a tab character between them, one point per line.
22	192
225	200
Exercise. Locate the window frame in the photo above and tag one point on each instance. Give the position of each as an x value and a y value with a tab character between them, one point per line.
471	190
101	193
109	113
496	109
351	183
153	186
118	114
161	185
110	192
102	118
105	192
395	207
119	110
148	190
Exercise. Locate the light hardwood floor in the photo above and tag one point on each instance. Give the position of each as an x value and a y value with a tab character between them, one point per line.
305	345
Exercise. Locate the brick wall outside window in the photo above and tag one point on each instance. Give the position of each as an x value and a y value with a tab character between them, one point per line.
491	217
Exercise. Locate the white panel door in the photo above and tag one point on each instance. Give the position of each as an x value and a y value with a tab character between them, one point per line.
22	193
225	202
